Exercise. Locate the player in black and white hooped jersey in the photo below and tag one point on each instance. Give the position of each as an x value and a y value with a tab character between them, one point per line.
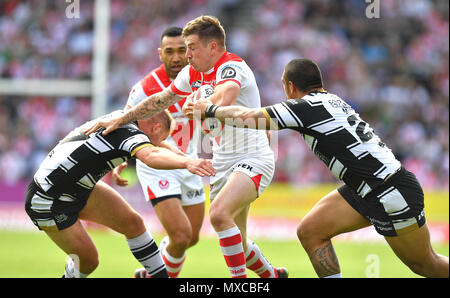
377	190
67	188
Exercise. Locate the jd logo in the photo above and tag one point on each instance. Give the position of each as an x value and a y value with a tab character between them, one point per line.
373	9
228	73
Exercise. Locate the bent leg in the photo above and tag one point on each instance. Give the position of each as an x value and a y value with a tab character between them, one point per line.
331	216
414	250
107	207
76	242
232	202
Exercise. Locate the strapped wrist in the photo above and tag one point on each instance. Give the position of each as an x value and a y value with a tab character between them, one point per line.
210	111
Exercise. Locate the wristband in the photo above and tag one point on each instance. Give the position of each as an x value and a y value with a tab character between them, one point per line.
210	111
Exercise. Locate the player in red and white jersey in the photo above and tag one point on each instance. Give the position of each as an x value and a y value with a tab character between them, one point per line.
177	196
243	160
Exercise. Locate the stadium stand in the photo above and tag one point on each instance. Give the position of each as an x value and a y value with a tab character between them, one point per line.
394	71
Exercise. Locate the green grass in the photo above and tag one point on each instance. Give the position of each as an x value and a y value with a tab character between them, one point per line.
32	254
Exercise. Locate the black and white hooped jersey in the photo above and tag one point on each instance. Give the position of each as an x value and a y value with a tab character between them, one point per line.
339	137
73	167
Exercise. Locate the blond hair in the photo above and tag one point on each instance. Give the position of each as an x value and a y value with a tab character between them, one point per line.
207	28
166	120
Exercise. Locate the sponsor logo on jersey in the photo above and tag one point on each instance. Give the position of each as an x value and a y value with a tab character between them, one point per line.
196	84
228	73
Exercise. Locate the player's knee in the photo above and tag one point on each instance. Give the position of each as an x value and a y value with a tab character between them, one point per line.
134	225
218	218
307	232
418	267
181	238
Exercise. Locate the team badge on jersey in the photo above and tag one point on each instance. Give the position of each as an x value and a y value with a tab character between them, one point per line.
163	184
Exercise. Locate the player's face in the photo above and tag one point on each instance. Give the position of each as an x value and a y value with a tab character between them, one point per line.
173	54
198	53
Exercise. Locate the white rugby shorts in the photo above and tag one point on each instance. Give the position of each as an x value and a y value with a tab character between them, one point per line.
260	168
159	185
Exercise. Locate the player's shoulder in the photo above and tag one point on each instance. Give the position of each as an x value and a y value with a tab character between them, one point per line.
155	80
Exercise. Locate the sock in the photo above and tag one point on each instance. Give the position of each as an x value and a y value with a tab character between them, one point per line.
147	253
337	275
71	270
256	261
231	245
173	265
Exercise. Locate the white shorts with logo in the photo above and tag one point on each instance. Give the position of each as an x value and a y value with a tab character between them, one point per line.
159	185
260	168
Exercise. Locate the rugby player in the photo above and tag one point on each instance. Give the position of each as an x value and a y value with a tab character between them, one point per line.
243	159
377	190
177	196
66	188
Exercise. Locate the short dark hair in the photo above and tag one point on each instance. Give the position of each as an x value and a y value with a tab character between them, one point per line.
172	32
304	74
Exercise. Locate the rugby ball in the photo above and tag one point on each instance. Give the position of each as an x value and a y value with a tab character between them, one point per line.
210	126
203	92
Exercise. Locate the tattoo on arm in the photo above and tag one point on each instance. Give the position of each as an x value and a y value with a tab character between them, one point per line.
324	260
151	106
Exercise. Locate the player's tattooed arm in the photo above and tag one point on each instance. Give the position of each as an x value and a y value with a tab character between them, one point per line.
151	106
147	108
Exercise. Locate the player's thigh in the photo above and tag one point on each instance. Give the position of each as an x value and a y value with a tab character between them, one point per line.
331	216
74	240
238	192
107	207
413	247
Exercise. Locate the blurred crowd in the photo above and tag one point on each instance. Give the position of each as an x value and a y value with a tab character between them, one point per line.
393	70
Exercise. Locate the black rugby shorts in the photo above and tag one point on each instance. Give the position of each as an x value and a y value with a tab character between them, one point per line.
394	208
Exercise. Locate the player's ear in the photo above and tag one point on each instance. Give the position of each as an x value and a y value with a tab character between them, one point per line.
292	88
160	54
157	126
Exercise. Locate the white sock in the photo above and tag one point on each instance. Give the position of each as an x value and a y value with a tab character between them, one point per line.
71	270
256	261
147	253
337	275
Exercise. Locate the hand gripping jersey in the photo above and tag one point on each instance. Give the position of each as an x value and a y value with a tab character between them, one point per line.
71	170
154	82
233	142
339	137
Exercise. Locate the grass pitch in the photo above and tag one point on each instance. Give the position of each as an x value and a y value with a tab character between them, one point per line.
34	255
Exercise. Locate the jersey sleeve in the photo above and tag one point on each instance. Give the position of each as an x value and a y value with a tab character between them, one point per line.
181	85
284	115
131	140
231	71
137	94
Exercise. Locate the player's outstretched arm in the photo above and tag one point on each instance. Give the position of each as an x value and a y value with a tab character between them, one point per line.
163	159
147	108
237	116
